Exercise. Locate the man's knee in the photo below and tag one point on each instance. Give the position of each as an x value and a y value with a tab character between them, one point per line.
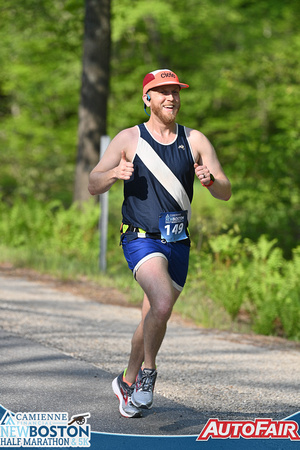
162	310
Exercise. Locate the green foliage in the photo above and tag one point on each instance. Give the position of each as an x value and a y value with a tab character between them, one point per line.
253	278
40	58
228	278
239	58
241	61
227	286
50	230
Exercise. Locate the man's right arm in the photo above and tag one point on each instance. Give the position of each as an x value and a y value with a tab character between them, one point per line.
113	165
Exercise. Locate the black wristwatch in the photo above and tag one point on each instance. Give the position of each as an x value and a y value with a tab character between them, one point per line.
212	179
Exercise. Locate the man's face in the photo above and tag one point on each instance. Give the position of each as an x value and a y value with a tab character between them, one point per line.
165	102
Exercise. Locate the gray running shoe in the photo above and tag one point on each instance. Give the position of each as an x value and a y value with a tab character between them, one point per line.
124	393
142	396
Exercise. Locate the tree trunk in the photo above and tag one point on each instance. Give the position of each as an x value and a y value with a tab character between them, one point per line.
94	92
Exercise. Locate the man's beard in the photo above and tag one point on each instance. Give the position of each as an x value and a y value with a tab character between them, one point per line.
166	117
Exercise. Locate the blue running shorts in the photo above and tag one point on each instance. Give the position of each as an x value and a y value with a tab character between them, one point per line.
139	250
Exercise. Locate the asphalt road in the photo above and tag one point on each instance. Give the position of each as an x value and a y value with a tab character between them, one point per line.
60	352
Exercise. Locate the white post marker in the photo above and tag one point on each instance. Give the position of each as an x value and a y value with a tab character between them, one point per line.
103	220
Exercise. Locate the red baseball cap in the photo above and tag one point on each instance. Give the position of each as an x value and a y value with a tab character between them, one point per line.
159	78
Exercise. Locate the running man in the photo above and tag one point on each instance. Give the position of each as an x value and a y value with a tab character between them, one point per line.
157	161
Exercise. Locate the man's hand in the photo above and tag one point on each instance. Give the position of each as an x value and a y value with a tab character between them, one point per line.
203	173
125	168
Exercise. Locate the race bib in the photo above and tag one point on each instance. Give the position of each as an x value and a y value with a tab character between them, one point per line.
173	225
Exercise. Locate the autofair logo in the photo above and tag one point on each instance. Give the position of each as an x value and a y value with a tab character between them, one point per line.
42	429
257	429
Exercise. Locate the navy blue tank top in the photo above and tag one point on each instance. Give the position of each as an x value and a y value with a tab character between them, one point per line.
144	196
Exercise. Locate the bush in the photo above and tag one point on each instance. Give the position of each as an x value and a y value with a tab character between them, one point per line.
51	231
228	278
255	278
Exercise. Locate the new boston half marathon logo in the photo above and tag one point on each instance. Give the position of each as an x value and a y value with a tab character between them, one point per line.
44	429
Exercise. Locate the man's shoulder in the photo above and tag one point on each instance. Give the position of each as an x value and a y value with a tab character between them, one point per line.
126	140
199	143
194	134
128	132
127	137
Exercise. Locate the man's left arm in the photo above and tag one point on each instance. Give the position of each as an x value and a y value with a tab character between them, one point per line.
208	168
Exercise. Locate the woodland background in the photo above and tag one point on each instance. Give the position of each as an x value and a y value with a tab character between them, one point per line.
241	60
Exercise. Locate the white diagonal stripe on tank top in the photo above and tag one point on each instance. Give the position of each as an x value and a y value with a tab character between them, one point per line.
164	175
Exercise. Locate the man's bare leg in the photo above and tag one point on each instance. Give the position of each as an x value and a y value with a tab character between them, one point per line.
137	345
154	278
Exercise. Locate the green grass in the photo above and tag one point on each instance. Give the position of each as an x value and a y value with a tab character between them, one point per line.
233	284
